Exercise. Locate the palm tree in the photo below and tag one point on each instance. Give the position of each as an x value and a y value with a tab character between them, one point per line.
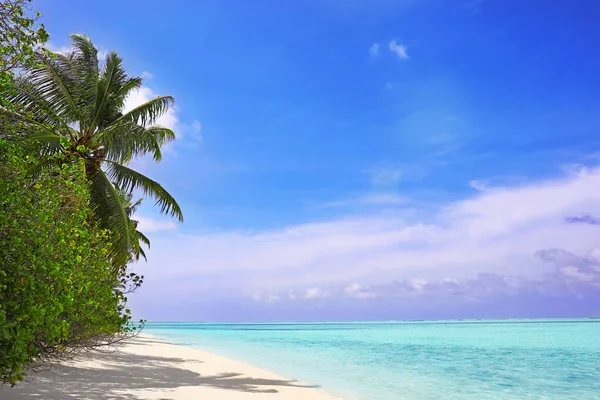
73	106
139	238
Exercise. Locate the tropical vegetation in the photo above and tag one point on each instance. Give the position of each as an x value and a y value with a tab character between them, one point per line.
71	105
67	228
20	36
58	289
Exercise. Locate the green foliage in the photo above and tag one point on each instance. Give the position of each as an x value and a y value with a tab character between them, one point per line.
66	232
59	291
71	104
130	208
20	37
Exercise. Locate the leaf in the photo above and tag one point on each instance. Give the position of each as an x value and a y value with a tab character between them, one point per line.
107	206
147	113
128	180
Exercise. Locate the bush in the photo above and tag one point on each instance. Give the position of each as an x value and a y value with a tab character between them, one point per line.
59	292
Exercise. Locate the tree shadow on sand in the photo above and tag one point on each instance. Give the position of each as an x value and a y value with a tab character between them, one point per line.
119	372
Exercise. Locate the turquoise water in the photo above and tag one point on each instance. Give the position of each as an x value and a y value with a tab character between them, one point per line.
469	360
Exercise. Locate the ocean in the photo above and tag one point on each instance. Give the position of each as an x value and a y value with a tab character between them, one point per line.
442	360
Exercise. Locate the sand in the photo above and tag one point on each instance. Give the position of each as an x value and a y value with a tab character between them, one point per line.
149	368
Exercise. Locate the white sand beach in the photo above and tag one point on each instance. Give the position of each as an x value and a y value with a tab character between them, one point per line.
149	368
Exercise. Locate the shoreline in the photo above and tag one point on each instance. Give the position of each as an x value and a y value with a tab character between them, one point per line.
146	367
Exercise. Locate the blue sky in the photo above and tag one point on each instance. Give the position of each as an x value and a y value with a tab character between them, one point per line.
351	159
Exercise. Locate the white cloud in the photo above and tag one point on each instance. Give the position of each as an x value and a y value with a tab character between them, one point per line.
102	54
148	225
265	297
146	75
568	277
191	133
478	185
354	290
497	231
188	133
374	50
417	284
272	298
145	94
315	293
57	49
170	119
398	49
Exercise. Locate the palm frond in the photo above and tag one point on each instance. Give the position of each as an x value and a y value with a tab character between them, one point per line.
147	113
127	87
142	253
162	135
142	239
35	94
47	143
69	96
132	208
29	126
117	101
85	70
129	179
84	45
56	78
125	141
112	78
108	208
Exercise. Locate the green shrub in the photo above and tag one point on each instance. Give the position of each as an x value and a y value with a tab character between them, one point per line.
59	292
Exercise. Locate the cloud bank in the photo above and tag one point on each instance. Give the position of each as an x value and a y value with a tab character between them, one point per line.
499	244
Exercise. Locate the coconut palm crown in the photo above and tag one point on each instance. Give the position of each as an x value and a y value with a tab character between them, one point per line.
73	105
